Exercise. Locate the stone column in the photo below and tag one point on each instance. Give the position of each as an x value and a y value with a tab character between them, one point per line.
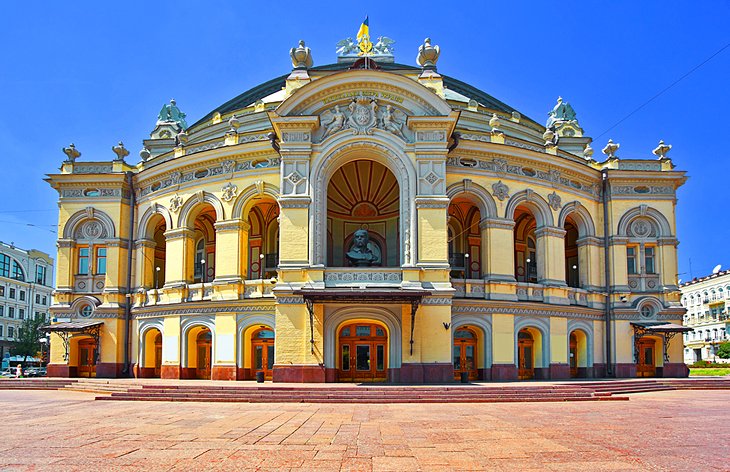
295	361
179	254
559	366
171	344
504	364
224	364
231	249
498	256
144	264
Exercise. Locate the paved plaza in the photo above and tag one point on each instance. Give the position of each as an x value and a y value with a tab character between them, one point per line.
62	430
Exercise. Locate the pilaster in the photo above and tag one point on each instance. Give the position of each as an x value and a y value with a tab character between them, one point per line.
224	363
171	348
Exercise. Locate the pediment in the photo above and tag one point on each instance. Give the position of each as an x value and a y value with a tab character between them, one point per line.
402	93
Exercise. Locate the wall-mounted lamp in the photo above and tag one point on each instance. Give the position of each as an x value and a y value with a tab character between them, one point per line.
575	267
261	256
528	260
447	325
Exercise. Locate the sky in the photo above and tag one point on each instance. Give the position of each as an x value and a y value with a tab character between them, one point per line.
95	73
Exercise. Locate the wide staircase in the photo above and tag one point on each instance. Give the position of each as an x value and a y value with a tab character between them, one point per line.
201	391
361	394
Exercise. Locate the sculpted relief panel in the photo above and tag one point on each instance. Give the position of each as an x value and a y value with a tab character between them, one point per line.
363	115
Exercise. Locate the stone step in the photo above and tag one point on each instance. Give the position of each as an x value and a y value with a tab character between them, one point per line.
236	399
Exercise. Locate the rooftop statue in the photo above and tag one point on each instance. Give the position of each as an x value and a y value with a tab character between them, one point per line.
561	112
170	113
360	254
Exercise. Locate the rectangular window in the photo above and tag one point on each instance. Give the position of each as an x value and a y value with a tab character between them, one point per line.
37	298
21	313
649	252
11	332
45	300
2	290
2	310
4	265
631	259
40	275
22	295
100	261
11	312
12	293
1	331
83	261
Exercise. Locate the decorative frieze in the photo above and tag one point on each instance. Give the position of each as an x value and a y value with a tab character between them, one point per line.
458	309
103	168
290	300
642	190
369	276
185	309
436	301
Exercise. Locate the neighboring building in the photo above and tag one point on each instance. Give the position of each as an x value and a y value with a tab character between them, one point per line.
706	300
483	252
26	285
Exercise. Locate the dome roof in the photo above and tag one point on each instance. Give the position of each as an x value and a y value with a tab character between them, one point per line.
274	85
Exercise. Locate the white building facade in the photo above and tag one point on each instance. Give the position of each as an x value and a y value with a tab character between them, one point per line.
706	300
26	285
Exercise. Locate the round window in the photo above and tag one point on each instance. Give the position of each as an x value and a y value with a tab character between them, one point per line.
86	311
647	311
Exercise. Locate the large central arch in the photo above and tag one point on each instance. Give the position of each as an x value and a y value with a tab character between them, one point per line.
378	148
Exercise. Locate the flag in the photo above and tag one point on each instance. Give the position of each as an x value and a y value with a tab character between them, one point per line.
364	30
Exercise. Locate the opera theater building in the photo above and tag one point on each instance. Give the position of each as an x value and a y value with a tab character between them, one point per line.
367	221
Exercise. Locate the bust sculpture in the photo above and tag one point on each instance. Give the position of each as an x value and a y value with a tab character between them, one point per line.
359	254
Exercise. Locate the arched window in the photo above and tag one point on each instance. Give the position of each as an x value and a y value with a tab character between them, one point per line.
199	274
18	271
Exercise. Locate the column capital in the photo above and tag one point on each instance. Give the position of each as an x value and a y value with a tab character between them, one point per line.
231	226
498	223
178	233
553	231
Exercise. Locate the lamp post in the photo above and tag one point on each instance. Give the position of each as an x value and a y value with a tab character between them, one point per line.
261	265
467	267
202	278
157	278
43	342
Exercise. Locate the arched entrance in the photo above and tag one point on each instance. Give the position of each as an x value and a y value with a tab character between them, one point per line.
87	357
646	362
573	355
465	352
262	352
158	354
362	352
525	355
203	351
363	194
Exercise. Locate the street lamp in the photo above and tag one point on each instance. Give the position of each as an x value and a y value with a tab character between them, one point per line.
466	265
261	265
157	278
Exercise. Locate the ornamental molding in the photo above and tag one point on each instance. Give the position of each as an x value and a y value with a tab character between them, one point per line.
92	168
343	92
229	192
518	311
642	189
436	301
500	190
173	310
363	115
178	233
177	177
231	225
363	276
502	167
432	202
295	300
554	201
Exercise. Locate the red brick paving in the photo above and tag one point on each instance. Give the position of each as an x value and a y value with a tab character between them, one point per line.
59	431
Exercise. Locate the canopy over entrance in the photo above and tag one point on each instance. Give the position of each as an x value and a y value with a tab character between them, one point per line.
67	329
658	328
379	296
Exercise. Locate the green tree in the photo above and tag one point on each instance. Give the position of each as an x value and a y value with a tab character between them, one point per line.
27	343
723	352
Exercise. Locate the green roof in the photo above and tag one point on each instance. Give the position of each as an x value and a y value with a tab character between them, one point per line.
274	85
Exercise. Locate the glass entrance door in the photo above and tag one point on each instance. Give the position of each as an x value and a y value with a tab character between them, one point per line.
204	350
465	348
363	353
87	358
525	356
646	366
262	343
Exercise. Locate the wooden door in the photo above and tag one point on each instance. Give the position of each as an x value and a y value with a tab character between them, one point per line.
87	358
646	366
525	356
262	352
204	350
158	354
465	352
363	353
573	356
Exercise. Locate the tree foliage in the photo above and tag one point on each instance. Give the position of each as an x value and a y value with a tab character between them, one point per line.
29	333
723	352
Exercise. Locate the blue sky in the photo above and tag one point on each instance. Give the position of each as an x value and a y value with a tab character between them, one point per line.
94	73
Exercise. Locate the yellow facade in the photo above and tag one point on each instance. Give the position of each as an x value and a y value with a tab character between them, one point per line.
486	234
